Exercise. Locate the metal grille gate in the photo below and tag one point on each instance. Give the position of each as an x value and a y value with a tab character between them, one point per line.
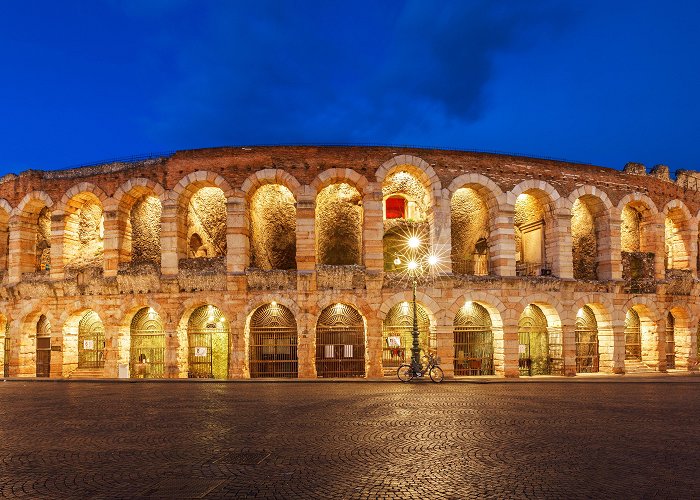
147	352
587	350
398	326
207	333
340	342
43	347
670	342
473	341
540	346
91	341
633	336
273	342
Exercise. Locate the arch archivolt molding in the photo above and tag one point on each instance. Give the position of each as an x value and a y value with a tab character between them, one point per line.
338	175
591	191
544	300
138	182
433	308
203	178
497	310
270	176
360	304
488	189
638	197
648	305
416	166
253	304
83	187
40	196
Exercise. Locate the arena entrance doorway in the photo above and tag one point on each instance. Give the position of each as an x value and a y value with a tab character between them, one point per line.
147	351
91	341
207	335
273	342
43	347
340	342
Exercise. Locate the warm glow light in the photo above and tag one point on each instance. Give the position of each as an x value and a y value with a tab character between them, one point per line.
413	265
397	261
273	303
468	303
414	242
432	260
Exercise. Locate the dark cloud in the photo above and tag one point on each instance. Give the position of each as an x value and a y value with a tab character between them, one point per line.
269	72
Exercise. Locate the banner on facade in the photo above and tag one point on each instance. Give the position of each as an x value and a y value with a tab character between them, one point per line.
393	342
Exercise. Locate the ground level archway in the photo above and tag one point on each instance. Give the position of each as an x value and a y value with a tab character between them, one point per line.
473	341
397	334
208	343
273	342
340	342
91	341
147	349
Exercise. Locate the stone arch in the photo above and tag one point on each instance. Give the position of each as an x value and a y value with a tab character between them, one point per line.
650	334
416	166
679	225
536	226
601	307
202	199
214	360
340	176
338	225
434	309
271	339
32	231
143	328
270	176
640	237
138	204
25	356
83	232
5	344
5	211
544	354
680	346
340	332
83	187
590	231
272	223
72	335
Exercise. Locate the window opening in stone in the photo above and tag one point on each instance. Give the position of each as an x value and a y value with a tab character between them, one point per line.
587	348
147	350
676	253
638	268
273	342
470	232
340	342
584	241
273	228
43	347
670	342
208	339
339	217
91	341
530	251
143	231
83	240
473	341
397	337
395	207
206	217
42	250
633	336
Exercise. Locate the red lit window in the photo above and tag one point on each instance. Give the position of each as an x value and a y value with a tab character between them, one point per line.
395	207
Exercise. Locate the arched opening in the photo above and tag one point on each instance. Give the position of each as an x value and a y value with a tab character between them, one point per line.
397	335
34	227
588	220
587	348
43	347
633	336
5	340
339	217
91	341
473	341
147	349
340	342
406	208
208	339
140	212
675	233
539	343
532	234
273	342
470	232
637	247
83	236
273	228
202	210
670	341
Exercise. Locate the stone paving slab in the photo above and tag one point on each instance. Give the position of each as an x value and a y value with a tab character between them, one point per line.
387	440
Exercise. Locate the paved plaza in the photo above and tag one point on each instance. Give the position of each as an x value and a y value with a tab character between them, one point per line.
351	440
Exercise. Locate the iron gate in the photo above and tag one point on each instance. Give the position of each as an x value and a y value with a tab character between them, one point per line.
473	341
670	342
147	352
633	336
397	334
273	342
340	342
43	347
533	342
207	334
91	341
587	350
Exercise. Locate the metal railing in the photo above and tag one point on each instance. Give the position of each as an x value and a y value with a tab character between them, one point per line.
533	269
478	266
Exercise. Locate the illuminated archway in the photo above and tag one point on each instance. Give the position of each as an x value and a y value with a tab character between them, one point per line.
273	342
587	347
147	349
208	343
340	342
397	334
43	347
473	341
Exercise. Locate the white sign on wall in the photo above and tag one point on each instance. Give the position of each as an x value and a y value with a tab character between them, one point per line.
393	342
89	345
200	352
522	348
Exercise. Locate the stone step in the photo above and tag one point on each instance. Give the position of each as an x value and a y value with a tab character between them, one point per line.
85	373
635	366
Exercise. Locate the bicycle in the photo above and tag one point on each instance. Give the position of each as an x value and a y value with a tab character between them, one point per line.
407	372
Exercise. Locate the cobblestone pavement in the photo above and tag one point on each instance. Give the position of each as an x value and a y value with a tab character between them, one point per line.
350	440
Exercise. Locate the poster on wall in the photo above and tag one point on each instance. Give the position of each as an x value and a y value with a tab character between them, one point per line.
393	342
89	345
200	351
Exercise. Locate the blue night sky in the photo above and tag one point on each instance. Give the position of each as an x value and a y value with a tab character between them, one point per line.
594	81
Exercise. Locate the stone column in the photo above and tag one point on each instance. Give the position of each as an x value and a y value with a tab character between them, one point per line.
562	258
306	347
18	249
169	259
237	243
306	231
502	242
446	349
112	348
373	229
656	232
111	243
238	367
609	247
568	339
57	228
442	225
172	345
693	246
511	353
618	328
373	365
25	352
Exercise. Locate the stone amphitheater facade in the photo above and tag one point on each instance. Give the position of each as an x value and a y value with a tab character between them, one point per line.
286	262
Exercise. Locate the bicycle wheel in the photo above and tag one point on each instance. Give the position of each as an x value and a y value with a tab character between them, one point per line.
436	374
405	373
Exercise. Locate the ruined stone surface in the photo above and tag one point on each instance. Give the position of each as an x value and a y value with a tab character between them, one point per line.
339	225
585	245
470	223
206	222
145	230
630	230
273	228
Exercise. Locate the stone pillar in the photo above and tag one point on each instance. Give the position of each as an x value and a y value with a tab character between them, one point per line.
693	246
372	228
24	351
446	349
568	339
306	230
609	247
111	243
502	241
654	343
57	228
112	348
237	242
656	232
693	344
618	328
442	225
373	355
172	345
511	354
306	347
238	367
562	258
15	251
169	258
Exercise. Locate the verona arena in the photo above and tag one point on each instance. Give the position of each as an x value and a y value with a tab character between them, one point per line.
284	262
